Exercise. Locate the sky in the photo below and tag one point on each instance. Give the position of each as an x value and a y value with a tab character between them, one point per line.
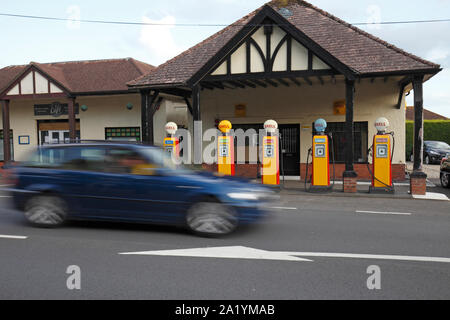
49	41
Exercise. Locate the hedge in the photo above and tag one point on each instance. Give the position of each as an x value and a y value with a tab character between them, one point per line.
434	130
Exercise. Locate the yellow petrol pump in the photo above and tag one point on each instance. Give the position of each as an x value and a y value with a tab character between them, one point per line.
271	155
225	149
382	153
320	178
171	143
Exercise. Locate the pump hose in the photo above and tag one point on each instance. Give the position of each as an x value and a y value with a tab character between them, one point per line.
334	162
391	188
307	169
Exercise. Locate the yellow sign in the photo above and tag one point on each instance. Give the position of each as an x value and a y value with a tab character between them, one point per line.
225	126
339	107
240	110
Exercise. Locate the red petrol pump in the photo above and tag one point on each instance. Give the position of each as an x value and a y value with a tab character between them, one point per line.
271	155
320	177
225	149
382	152
171	143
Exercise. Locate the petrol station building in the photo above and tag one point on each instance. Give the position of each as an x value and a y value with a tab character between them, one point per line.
287	61
64	101
294	63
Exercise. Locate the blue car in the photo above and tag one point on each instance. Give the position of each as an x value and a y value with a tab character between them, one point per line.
131	183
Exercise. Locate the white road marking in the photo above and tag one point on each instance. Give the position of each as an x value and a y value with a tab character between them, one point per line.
237	252
240	252
391	213
283	208
368	256
13	237
5	197
432	196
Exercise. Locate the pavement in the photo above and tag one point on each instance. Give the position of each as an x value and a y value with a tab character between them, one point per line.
310	247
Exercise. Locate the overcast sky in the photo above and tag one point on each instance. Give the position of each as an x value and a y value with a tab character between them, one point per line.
47	41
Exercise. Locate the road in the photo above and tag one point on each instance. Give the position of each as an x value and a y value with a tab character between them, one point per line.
35	267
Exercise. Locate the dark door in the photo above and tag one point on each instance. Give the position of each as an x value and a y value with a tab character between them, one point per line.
290	149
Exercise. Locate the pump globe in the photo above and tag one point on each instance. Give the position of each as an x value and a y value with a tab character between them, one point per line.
320	125
271	126
171	128
381	124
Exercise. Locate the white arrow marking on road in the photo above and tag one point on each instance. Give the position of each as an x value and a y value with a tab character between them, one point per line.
367	256
13	237
237	252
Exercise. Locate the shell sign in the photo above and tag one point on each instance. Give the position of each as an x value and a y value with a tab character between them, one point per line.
225	126
171	128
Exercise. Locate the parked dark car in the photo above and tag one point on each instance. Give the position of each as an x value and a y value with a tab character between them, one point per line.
433	151
131	183
445	171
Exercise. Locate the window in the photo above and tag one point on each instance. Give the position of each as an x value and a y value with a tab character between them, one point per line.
123	134
73	158
11	143
360	141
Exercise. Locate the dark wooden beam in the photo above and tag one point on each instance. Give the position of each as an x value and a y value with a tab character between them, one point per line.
294	80
418	122
272	83
72	120
198	131
270	75
308	81
196	103
218	85
333	79
400	96
248	84
259	83
349	126
207	85
189	106
283	82
321	80
148	102
228	85
6	133
237	84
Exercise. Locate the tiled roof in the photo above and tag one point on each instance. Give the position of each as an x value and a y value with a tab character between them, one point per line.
427	115
84	76
353	47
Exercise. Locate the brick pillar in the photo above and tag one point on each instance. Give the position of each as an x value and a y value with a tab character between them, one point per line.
350	182
418	183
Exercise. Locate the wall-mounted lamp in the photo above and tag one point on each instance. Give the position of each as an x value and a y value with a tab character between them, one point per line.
129	106
84	108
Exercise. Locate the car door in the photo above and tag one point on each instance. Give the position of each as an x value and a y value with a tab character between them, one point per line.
141	189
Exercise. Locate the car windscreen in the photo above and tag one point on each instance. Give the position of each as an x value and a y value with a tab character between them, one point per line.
438	145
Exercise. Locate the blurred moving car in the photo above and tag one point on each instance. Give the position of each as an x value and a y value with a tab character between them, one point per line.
434	151
445	171
131	183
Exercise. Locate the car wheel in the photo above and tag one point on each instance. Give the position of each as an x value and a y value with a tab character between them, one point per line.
211	219
46	211
427	160
445	180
